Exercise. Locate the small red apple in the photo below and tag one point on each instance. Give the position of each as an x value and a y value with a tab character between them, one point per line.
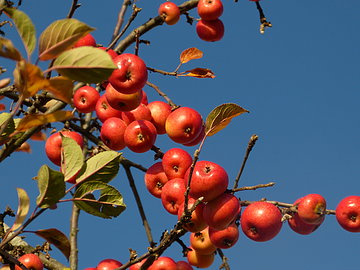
176	161
200	260
198	139
111	52
85	99
104	110
197	222
210	9
261	221
311	208
30	261
201	243
137	265
225	238
159	111
348	213
170	11
108	264
87	40
131	73
210	30
182	265
112	133
172	195
163	263
121	101
155	179
140	136
141	112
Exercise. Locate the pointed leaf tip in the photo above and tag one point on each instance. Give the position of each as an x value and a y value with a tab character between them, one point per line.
190	54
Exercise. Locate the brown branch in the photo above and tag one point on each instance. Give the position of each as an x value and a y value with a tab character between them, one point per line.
120	19
157	89
74	229
74	7
253	187
263	22
225	265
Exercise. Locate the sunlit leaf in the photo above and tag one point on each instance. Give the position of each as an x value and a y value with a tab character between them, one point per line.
8	50
190	54
72	157
4	82
51	187
109	204
23	208
198	73
24	147
57	238
61	88
34	120
25	27
221	116
10	126
104	166
60	36
86	64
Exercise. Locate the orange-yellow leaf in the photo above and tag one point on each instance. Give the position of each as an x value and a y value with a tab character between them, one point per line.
198	73
8	50
221	116
23	208
25	147
38	136
61	88
190	54
34	120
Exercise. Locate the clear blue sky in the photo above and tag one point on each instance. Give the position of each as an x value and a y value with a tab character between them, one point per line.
300	82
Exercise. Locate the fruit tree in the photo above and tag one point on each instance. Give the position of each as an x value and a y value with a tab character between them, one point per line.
179	134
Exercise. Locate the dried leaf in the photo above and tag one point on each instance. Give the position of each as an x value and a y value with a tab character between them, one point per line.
190	54
198	73
221	116
8	50
4	82
57	238
24	147
60	36
61	88
23	208
25	27
33	120
38	136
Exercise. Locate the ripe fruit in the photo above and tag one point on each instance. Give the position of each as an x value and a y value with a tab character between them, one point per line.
111	52
121	101
141	112
197	222
201	243
348	213
200	260
140	136
104	110
163	263
170	11
209	180
221	211
311	208
112	133
172	195
54	142
87	40
108	264
198	139
155	179
137	265
299	226
159	112
182	265
225	238
30	261
210	30
210	9
261	221
183	125
85	99
131	73
176	161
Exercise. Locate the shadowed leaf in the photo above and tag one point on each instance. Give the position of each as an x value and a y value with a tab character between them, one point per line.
51	187
8	50
85	64
72	157
104	166
33	120
57	238
60	36
190	54
109	204
198	73
61	88
23	208
221	116
25	27
10	126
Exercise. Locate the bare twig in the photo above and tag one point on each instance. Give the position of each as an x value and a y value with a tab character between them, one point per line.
254	187
157	89
74	7
120	19
74	229
225	265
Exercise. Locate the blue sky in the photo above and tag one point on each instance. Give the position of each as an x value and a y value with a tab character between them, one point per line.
300	82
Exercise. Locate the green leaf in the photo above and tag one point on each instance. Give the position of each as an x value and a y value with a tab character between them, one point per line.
23	208
72	158
8	50
85	64
57	238
25	27
221	116
109	204
51	187
6	119
60	36
104	166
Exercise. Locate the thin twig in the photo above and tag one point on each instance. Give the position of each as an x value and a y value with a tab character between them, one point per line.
120	19
74	229
74	7
225	265
165	96
254	187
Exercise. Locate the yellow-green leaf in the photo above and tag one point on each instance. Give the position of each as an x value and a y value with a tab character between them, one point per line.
61	88
23	208
34	120
190	54
25	27
221	116
8	50
85	64
198	73
57	238
72	158
60	36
